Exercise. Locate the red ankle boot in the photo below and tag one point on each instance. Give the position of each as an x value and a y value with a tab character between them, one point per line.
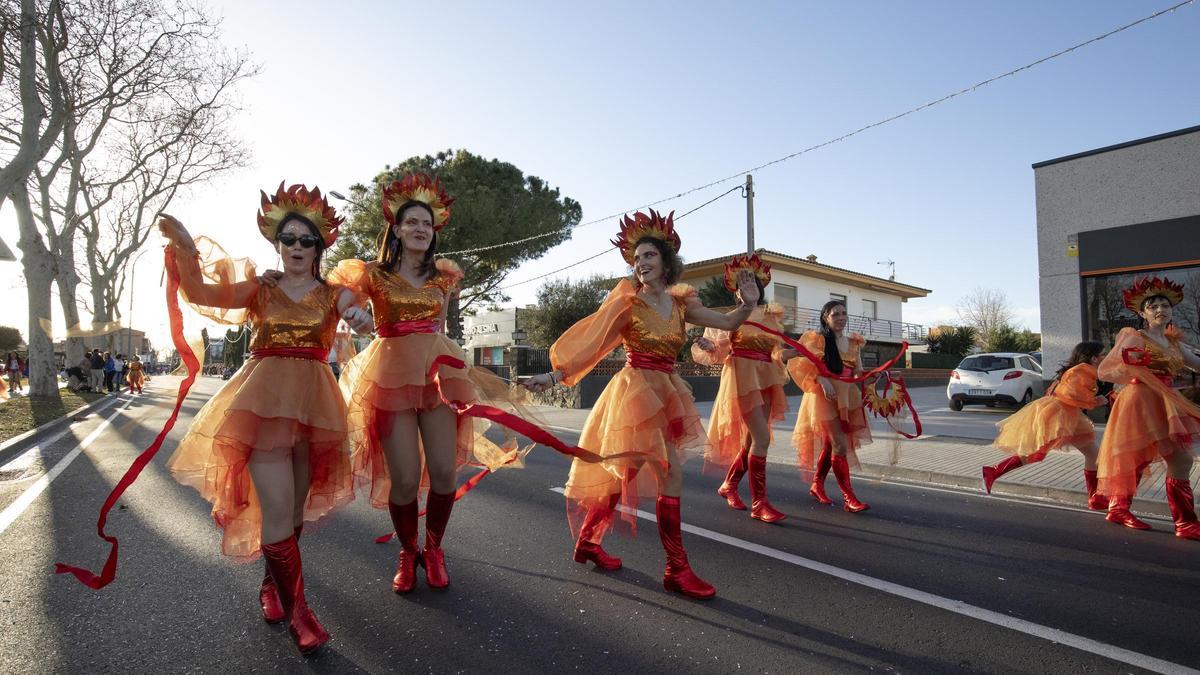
817	490
1096	502
1119	513
283	559
595	523
268	595
437	516
404	519
1183	508
760	508
841	471
729	489
991	473
678	575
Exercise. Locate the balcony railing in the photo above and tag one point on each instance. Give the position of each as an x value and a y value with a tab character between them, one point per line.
801	319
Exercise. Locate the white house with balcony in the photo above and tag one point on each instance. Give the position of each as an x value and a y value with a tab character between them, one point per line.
803	285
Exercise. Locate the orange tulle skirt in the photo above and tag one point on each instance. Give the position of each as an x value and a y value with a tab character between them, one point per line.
746	385
650	418
821	421
1146	424
390	377
271	406
1044	425
136	379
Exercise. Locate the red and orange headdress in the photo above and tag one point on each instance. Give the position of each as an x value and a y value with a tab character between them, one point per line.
1148	287
417	188
760	269
301	201
642	225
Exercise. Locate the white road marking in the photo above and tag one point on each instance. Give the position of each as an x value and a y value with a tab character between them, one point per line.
1055	635
18	507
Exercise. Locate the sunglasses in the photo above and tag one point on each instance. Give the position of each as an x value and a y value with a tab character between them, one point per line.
307	240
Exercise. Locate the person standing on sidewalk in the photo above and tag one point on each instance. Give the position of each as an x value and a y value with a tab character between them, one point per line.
269	449
1150	420
1056	422
832	423
110	371
13	365
97	371
750	399
646	416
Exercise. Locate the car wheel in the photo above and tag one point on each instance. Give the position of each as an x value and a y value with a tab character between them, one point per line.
956	405
1026	398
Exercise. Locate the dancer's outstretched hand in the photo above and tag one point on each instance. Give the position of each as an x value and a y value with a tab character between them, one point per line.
539	383
747	288
170	227
359	319
270	278
705	344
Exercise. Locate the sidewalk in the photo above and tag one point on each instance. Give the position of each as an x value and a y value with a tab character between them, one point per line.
941	461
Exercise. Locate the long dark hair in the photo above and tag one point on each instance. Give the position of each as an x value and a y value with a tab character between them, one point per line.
833	356
312	229
1082	353
672	266
389	244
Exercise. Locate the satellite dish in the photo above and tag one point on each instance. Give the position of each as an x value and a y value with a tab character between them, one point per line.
6	254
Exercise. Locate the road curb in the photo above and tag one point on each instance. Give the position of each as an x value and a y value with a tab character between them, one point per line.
19	444
1065	496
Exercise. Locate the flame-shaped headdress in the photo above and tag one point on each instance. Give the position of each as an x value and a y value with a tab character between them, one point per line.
761	270
1148	287
642	225
417	188
301	201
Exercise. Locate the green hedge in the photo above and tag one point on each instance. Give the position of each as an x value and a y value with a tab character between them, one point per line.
925	360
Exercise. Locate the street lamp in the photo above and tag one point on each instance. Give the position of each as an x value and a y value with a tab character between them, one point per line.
129	328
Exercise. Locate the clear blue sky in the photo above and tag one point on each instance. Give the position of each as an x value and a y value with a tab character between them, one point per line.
622	103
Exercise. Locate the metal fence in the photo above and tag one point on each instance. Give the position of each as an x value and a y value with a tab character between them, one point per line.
801	319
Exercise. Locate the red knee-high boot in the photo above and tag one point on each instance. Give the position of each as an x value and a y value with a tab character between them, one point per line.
729	489
760	508
437	515
817	490
841	471
595	523
404	520
991	473
268	595
1183	508
283	559
1096	502
678	575
1119	513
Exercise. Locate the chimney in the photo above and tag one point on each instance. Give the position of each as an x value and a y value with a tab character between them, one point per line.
812	257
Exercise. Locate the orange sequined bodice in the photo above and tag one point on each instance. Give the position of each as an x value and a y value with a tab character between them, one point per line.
753	339
279	321
649	332
1163	362
393	299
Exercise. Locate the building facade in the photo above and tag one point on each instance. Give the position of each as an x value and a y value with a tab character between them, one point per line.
1107	217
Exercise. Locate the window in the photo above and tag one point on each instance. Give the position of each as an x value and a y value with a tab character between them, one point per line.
1028	364
1104	305
837	296
785	295
985	363
869	309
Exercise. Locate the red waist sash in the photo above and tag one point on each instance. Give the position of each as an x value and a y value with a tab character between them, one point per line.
402	328
1165	379
315	353
752	354
648	361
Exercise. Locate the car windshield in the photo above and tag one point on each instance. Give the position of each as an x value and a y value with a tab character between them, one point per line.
986	363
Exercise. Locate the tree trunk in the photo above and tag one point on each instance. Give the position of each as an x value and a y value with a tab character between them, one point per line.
39	267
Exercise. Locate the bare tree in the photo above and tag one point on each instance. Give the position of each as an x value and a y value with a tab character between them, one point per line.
133	69
986	310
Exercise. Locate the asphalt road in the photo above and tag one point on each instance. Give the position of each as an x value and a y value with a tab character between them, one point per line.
926	581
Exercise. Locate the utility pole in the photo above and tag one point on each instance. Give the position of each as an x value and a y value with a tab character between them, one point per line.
749	190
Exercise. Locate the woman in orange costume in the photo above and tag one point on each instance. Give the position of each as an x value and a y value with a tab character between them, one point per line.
1056	422
831	424
136	376
1150	420
404	436
750	398
646	416
268	450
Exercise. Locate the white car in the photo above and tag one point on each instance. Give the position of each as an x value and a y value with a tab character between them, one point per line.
1006	378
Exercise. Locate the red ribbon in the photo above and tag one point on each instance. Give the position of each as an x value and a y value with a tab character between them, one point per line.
109	572
315	353
820	363
752	354
648	361
402	328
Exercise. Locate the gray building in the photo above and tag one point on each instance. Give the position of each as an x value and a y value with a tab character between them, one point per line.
1107	217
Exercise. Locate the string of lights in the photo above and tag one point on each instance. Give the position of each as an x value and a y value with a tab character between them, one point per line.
838	139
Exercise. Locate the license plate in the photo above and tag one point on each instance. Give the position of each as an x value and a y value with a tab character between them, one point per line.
980	392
